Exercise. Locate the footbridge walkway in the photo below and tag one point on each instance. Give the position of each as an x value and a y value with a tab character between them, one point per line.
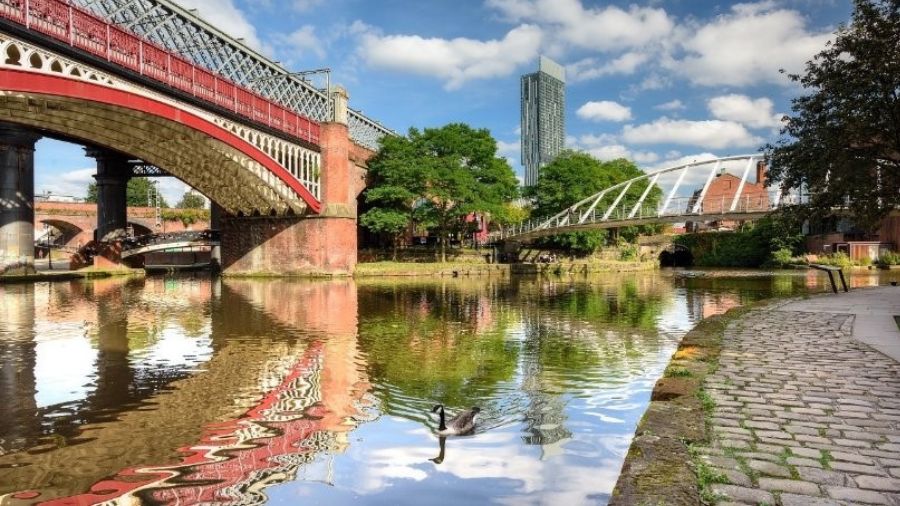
703	191
173	241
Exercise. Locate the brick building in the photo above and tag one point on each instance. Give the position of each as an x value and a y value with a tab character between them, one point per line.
720	196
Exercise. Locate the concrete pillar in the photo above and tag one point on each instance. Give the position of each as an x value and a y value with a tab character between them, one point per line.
17	199
313	244
112	177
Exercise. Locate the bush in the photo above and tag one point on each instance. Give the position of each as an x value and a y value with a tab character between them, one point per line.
839	259
889	258
628	252
781	257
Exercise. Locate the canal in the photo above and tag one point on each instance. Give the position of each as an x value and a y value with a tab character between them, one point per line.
178	390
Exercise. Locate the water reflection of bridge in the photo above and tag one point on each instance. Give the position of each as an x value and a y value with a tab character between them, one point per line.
230	436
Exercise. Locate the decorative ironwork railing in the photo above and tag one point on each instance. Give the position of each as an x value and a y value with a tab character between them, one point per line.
72	25
183	32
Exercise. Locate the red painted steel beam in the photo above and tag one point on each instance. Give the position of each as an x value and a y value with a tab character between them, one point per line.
83	30
30	82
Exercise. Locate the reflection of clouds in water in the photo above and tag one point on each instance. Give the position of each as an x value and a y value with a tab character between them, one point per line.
175	349
676	317
64	363
582	471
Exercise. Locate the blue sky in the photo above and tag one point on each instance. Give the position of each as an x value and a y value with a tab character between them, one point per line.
656	81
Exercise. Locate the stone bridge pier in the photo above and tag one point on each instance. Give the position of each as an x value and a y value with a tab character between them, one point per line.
311	244
17	199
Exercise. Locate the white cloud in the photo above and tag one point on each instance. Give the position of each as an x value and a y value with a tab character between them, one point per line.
456	61
592	140
610	152
678	159
748	46
756	113
509	150
301	40
72	183
224	15
603	29
672	105
606	147
305	5
604	110
592	68
710	134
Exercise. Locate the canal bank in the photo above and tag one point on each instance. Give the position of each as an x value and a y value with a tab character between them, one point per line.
790	402
457	269
88	273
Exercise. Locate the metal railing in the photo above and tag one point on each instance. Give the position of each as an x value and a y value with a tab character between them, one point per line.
614	205
83	30
144	241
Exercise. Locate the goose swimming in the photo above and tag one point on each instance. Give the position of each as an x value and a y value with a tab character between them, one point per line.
462	423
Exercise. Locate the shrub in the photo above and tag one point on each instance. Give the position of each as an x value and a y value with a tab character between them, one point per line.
889	258
839	259
628	252
781	257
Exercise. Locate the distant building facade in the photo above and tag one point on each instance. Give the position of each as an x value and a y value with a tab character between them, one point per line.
543	117
720	196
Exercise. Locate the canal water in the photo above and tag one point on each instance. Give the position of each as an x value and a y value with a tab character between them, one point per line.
199	390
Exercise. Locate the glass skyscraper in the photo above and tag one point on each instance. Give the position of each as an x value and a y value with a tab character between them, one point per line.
543	117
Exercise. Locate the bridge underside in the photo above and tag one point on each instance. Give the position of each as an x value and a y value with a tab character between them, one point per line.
214	168
532	235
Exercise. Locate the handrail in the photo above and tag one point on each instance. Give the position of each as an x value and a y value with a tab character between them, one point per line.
831	269
82	30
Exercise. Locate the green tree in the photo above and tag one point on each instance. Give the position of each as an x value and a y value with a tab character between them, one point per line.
574	176
395	184
191	200
842	142
136	193
437	177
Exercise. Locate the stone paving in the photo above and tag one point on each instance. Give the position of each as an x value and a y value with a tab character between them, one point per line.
805	414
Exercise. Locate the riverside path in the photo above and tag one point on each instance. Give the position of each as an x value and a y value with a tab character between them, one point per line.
808	403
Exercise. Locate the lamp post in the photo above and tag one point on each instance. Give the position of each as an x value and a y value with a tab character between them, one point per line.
47	233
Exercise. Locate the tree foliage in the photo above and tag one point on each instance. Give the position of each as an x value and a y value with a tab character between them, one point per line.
437	177
842	141
574	176
136	193
191	200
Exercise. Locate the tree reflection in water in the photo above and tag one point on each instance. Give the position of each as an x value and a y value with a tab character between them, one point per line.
189	390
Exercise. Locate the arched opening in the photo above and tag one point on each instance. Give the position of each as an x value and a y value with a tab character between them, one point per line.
139	229
227	169
676	255
56	233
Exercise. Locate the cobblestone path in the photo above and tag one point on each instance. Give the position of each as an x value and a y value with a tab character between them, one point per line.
804	415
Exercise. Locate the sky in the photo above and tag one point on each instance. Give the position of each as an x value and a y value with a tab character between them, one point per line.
658	81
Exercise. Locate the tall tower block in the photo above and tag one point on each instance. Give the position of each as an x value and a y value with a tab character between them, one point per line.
543	117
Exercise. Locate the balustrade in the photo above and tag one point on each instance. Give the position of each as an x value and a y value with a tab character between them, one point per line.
80	29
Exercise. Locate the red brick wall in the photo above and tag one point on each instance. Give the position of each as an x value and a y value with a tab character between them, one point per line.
324	244
723	189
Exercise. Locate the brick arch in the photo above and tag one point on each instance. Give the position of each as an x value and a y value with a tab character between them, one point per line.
229	170
72	230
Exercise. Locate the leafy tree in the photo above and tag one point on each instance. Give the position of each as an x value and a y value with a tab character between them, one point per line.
136	193
574	176
438	176
842	142
395	184
191	200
